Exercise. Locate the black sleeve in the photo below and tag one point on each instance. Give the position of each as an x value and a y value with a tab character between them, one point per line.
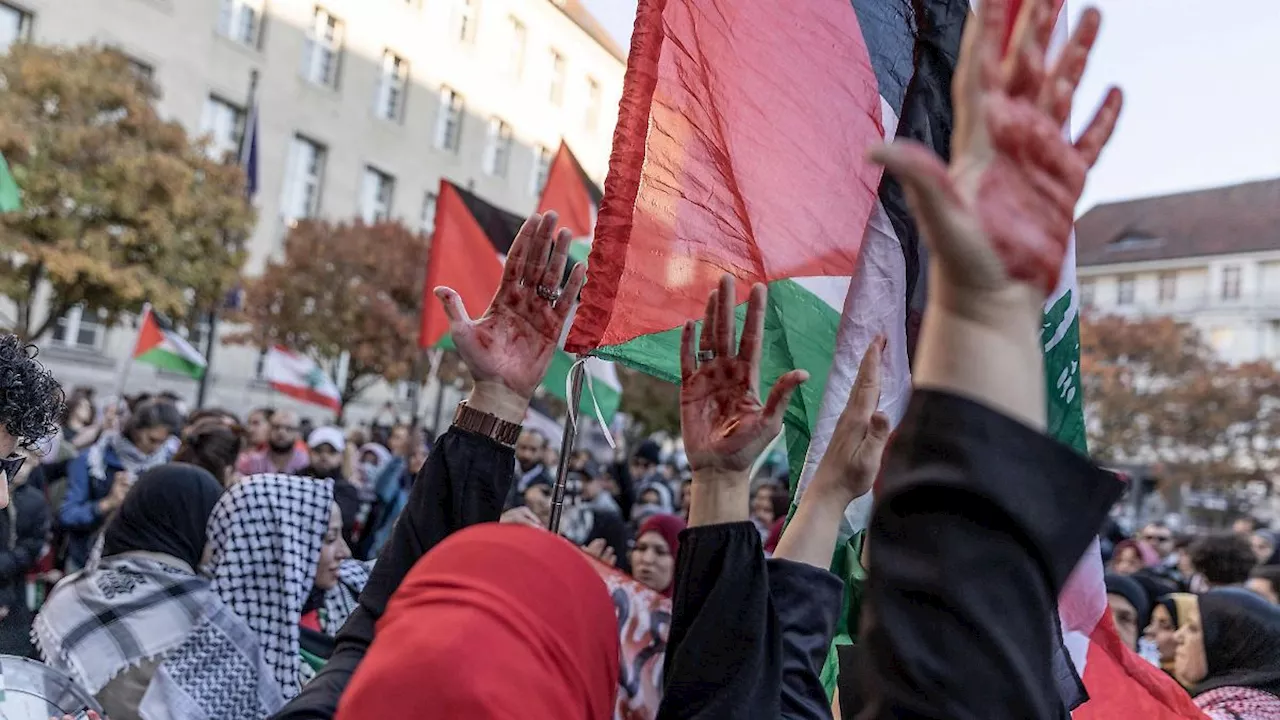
31	530
609	527
977	525
464	481
748	637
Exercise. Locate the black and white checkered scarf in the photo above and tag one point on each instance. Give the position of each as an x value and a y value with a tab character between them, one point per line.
342	599
265	536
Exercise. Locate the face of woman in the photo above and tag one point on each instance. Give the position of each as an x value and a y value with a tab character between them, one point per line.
1161	632
1189	664
259	429
149	440
332	552
84	411
762	505
1262	547
1127	562
652	563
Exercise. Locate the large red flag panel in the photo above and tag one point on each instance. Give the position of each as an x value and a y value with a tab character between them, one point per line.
740	147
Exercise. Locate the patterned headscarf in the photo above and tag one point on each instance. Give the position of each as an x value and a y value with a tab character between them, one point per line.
265	535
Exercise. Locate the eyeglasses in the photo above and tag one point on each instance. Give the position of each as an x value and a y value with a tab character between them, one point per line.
1157	538
284	428
11	465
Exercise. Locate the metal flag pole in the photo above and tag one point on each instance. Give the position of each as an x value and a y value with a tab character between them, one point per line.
566	444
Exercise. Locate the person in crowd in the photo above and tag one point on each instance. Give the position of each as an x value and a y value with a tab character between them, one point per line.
214	446
551	458
258	428
581	523
126	626
99	479
1160	538
1265	581
1223	559
373	458
282	454
1130	607
769	503
24	531
530	451
1263	543
1130	556
471	469
653	556
506	594
1228	655
328	446
594	491
645	471
1166	615
81	426
391	488
1245	525
31	404
274	540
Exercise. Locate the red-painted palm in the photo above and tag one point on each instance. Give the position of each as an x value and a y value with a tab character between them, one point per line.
512	343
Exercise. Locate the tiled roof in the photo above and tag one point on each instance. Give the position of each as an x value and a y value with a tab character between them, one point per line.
578	13
1217	221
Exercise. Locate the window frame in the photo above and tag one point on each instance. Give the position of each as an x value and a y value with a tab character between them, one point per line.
450	120
294	184
239	116
383	195
231	20
1232	280
1129	282
499	143
393	87
315	72
26	23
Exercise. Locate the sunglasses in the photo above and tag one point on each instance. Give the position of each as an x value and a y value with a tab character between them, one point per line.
11	465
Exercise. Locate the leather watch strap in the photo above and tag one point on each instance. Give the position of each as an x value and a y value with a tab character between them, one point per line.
482	423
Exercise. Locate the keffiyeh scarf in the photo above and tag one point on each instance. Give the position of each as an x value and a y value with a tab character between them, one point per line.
265	535
342	599
130	457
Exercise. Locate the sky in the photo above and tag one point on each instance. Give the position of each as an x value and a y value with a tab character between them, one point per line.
1202	92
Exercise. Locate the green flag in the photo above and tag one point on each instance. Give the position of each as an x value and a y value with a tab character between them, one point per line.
10	196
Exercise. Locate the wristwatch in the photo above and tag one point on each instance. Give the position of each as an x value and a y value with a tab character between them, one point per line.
482	423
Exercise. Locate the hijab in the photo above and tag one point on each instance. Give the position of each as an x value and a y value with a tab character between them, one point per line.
265	536
1241	641
1146	553
505	621
166	511
669	527
1131	590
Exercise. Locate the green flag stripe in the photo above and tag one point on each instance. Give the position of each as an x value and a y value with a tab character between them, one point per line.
167	360
10	195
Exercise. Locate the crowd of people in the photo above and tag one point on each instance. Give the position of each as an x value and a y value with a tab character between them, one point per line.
209	565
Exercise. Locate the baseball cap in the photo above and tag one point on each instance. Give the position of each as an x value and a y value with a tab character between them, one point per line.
331	436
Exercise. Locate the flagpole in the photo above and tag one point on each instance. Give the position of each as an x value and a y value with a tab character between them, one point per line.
242	157
123	378
566	445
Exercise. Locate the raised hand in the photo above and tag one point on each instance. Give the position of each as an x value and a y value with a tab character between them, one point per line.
509	348
1002	213
849	467
724	425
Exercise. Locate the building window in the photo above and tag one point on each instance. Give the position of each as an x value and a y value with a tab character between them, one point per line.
1231	282
392	84
427	221
1168	287
516	45
464	20
224	124
323	53
80	330
556	93
15	26
376	191
592	118
241	21
541	167
1124	290
1087	291
143	70
303	179
497	154
449	125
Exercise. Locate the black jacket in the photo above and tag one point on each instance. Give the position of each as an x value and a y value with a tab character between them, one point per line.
24	527
464	482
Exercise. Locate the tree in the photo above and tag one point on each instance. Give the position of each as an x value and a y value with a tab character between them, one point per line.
343	287
120	207
654	403
1156	394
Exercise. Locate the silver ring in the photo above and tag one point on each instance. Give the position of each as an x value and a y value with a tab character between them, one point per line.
551	295
706	355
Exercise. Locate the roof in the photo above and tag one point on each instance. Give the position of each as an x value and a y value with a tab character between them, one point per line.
578	13
1217	221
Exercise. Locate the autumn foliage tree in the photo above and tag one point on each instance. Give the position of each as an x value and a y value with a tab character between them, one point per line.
120	207
1157	394
343	287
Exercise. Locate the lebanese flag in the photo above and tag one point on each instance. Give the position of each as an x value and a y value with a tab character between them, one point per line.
299	377
160	345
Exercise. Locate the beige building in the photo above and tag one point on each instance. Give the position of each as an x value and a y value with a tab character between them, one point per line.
1209	257
364	106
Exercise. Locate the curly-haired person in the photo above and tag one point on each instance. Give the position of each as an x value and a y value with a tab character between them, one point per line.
31	404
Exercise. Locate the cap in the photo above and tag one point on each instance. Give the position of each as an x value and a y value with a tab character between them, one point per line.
327	436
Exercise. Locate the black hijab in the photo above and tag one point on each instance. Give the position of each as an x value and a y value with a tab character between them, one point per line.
1241	641
166	511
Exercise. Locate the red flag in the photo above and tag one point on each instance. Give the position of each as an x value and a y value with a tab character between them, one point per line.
467	249
570	193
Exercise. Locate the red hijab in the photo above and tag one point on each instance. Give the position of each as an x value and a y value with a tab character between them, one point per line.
497	621
669	527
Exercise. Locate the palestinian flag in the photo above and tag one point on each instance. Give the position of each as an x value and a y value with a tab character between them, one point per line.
706	178
160	345
468	248
10	195
571	193
301	378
